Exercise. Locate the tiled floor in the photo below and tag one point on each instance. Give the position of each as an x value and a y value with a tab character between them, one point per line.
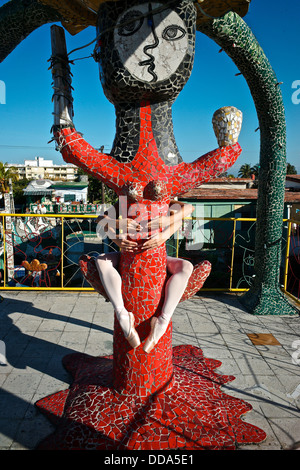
39	329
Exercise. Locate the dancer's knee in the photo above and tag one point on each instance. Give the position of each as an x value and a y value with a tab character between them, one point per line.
187	268
179	266
102	263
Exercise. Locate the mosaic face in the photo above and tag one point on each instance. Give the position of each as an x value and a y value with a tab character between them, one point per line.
150	46
146	50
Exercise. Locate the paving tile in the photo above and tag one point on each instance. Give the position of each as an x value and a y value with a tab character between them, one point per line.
8	431
20	383
287	431
39	332
262	339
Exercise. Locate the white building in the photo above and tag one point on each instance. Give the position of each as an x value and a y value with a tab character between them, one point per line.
48	192
39	168
70	192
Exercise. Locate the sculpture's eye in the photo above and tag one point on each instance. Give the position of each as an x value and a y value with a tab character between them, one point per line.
130	23
173	33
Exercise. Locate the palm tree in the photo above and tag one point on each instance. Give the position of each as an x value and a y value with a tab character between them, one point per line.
245	171
7	174
255	170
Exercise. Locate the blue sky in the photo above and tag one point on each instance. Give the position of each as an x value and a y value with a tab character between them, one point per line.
26	117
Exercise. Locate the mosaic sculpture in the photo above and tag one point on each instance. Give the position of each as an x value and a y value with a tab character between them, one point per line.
142	77
161	400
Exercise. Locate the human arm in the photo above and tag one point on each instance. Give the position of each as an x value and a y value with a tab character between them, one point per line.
117	225
118	229
177	212
168	224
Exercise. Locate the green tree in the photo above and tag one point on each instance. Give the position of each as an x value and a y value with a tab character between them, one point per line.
255	170
225	174
245	171
18	188
6	174
97	191
290	169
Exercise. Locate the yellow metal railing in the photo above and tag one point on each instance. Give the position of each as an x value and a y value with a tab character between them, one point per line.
234	220
291	279
46	216
233	237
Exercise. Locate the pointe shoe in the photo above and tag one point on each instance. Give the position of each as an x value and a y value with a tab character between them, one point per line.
133	337
150	341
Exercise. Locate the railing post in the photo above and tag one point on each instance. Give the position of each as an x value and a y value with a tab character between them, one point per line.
62	254
232	254
4	252
287	254
177	242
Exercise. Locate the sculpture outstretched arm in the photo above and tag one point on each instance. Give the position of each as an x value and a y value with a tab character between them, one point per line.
70	143
76	150
205	168
227	124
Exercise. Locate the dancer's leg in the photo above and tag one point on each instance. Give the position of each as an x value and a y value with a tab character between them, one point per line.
107	267
112	283
180	271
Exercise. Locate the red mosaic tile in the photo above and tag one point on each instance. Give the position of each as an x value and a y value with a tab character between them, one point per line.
193	414
147	166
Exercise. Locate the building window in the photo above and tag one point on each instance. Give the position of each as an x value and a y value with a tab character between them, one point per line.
69	197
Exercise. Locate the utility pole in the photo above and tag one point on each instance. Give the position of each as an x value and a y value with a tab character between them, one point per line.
9	209
102	184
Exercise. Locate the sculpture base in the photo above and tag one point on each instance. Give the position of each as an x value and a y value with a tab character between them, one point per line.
267	301
194	414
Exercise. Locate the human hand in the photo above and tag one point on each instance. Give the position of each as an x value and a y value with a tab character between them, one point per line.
154	241
159	222
126	245
227	124
128	226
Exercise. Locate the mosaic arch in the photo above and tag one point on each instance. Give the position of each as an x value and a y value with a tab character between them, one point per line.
152	401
